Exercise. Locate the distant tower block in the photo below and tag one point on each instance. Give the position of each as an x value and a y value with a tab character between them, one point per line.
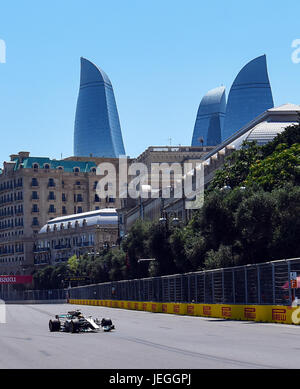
210	118
249	96
97	129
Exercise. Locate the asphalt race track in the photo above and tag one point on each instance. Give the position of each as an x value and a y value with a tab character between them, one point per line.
144	340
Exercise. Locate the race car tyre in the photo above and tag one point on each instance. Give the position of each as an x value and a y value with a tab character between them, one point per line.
54	325
106	322
74	326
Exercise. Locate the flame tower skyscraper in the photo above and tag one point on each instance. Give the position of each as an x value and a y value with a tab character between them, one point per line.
97	130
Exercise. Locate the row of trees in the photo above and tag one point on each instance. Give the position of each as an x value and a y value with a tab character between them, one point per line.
251	214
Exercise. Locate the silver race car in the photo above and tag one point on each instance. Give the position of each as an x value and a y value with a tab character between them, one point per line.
75	321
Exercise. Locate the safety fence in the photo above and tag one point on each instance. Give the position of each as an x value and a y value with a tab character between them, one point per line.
258	284
261	284
33	295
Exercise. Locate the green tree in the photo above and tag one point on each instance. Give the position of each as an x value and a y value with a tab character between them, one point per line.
255	225
236	167
216	259
289	137
216	221
160	249
276	170
286	242
135	245
73	263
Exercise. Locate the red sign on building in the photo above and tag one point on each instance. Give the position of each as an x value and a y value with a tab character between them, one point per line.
176	308
15	279
164	308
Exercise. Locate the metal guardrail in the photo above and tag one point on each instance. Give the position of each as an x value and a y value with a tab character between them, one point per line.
33	295
264	283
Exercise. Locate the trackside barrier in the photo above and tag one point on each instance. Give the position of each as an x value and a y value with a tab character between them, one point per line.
54	296
258	284
260	313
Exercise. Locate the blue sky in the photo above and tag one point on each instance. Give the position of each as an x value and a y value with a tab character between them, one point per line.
161	56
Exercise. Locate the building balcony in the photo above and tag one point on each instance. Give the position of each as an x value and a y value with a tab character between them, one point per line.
64	259
62	247
41	262
41	249
84	244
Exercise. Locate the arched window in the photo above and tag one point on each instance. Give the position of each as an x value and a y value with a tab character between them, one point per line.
35	166
76	169
46	166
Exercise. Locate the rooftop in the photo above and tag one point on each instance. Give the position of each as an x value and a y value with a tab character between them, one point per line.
99	217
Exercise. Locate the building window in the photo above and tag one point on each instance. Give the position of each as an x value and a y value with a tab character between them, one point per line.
51	182
97	199
64	211
79	198
35	166
52	209
63	197
35	221
34	196
46	166
35	208
51	196
34	182
79	210
76	169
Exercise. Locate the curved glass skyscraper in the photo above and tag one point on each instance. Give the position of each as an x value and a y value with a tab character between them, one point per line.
210	118
249	96
97	129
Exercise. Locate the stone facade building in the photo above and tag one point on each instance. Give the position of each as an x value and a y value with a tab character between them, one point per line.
77	234
34	190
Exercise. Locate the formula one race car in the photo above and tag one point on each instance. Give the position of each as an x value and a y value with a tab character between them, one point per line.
74	321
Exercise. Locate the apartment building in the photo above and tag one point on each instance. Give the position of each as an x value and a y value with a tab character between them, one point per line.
34	190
